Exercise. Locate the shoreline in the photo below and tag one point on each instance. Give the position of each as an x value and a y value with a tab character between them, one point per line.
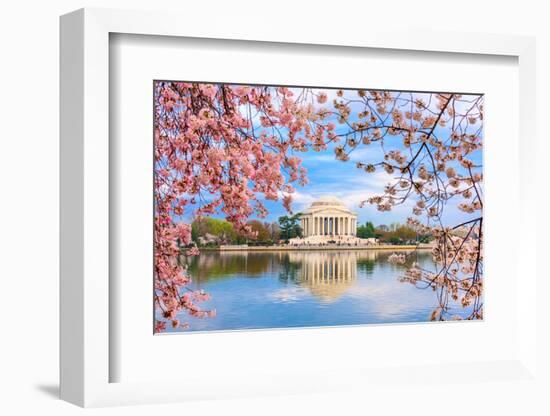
317	248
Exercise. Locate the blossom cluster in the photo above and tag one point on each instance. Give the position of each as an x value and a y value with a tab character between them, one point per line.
223	149
217	149
431	145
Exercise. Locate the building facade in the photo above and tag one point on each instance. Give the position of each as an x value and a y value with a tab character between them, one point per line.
328	217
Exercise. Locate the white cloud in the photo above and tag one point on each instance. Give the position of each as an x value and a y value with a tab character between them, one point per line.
287	294
302	200
352	190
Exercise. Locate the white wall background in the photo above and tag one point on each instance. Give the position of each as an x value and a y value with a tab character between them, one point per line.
29	56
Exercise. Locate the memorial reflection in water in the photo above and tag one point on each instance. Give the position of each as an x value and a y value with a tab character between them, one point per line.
328	274
301	288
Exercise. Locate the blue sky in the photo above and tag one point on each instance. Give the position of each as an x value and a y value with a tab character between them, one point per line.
329	176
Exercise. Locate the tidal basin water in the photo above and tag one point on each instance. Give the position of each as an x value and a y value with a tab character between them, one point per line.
287	289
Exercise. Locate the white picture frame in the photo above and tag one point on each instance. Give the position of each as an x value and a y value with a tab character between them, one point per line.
86	356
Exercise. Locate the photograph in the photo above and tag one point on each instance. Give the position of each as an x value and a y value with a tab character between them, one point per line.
282	206
236	208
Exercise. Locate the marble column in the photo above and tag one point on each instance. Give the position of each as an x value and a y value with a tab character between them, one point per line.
343	225
318	225
314	225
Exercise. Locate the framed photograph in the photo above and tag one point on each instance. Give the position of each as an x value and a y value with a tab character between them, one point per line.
281	227
260	215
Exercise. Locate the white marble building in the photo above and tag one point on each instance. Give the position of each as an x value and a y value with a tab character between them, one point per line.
328	216
328	220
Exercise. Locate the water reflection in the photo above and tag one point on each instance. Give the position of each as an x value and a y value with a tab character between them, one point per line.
215	265
327	274
306	288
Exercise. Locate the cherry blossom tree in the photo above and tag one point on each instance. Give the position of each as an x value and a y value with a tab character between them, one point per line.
220	147
439	168
224	148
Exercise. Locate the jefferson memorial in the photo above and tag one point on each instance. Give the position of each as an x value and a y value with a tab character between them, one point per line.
326	221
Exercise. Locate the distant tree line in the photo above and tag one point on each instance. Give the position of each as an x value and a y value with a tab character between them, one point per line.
366	231
395	233
211	232
208	231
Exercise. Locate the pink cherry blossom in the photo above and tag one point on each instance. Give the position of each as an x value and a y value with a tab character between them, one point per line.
208	143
